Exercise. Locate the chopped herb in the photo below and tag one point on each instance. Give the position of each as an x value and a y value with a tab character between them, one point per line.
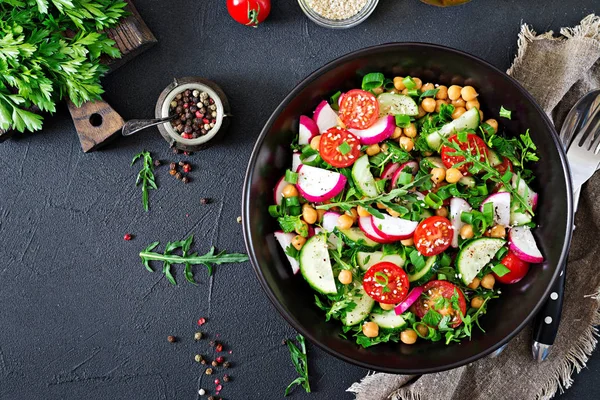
300	361
145	176
292	177
344	148
504	113
291	223
409	83
402	121
500	269
372	81
334	101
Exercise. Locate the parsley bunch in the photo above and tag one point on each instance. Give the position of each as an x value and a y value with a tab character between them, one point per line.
50	50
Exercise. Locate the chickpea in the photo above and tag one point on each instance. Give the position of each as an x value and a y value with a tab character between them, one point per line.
474	284
459	103
442	212
298	241
345	277
378	90
427	86
480	115
373	149
405	91
418	82
370	329
428	104
407	143
398	84
303	228
454	92
320	214
362	212
392	212
466	232
453	175
387	307
289	191
438	105
477	302
423	330
315	142
408	242
352	214
442	93
498	231
397	133
411	130
438	174
472	104
458	111
309	214
468	93
493	123
421	113
345	222
488	281
408	336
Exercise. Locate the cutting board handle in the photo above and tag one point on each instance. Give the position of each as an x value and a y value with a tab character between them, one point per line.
95	122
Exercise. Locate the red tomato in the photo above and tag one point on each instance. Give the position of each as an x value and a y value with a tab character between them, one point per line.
433	236
505	166
432	291
386	283
359	109
249	12
518	269
330	147
474	143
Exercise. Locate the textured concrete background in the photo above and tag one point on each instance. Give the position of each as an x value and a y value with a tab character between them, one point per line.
79	315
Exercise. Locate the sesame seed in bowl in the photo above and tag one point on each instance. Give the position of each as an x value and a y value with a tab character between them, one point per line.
338	14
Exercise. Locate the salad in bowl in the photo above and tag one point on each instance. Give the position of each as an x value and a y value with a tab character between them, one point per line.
405	210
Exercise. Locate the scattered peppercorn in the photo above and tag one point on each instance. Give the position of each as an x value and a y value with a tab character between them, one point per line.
239	220
214	364
211	398
283	342
203	362
171	339
217	381
219	359
226	378
176	150
181	163
201	392
219	347
187	153
198	358
208	371
226	364
211	343
127	236
197	335
187	168
178	176
204	200
173	166
201	321
185	179
172	172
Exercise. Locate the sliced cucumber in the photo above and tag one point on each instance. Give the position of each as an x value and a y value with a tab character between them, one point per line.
519	218
394	104
315	265
364	305
494	158
423	276
388	320
354	237
475	255
468	181
367	260
434	162
469	120
363	178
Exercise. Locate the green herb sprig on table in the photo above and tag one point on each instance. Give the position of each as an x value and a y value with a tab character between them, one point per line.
49	50
300	361
145	176
187	258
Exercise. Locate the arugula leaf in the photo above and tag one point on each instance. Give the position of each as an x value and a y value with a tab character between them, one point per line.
145	176
300	362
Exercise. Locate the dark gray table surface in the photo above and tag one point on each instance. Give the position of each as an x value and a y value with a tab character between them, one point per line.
79	315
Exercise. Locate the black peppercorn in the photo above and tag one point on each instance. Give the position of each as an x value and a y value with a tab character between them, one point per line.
195	100
186	99
188	129
179	128
211	343
203	362
171	339
185	179
211	398
188	115
283	342
188	122
178	176
187	93
157	163
204	200
172	166
176	122
179	110
226	364
226	378
214	364
203	131
193	109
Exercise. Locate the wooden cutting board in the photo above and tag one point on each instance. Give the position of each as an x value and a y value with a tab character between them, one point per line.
97	122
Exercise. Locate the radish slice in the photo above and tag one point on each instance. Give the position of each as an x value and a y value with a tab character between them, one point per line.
308	129
501	204
278	191
332	239
413	296
522	243
388	170
457	207
296	162
330	219
379	131
318	185
325	117
525	191
364	223
393	228
414	167
285	240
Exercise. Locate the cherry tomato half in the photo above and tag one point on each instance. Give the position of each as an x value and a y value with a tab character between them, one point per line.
358	109
335	152
474	143
432	292
502	168
433	236
518	269
249	12
386	283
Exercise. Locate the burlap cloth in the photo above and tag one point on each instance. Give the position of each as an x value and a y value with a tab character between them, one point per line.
557	72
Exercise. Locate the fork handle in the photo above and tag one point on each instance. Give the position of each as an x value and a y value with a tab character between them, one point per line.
548	318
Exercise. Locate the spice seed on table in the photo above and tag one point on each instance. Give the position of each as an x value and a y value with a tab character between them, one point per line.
197	335
198	358
208	371
127	236
171	339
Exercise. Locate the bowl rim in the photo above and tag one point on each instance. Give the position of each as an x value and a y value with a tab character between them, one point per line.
253	159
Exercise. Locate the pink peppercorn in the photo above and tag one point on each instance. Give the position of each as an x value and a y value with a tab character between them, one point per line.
186	135
218	388
217	381
219	359
201	321
219	348
187	167
127	236
186	105
206	121
199	114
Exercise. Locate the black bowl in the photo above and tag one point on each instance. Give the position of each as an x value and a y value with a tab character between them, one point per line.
271	157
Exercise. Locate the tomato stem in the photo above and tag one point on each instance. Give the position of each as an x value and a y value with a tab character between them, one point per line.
253	16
